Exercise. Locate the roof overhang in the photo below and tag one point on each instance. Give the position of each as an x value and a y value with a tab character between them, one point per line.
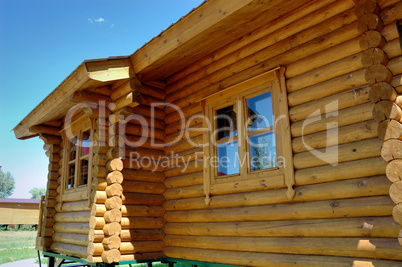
211	26
90	74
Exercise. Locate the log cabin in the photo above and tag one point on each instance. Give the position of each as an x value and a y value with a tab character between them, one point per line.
249	133
19	211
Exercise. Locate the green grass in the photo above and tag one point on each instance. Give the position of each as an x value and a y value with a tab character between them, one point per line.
17	245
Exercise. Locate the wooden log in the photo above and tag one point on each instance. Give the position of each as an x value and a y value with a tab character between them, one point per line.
395	65
369	22
324	73
142	223
142	256
111	242
270	55
142	211
345	170
366	7
190	143
114	190
391	150
336	136
142	235
387	110
148	112
349	227
184	180
378	73
100	159
184	192
372	39
374	56
394	170
180	136
390	129
140	141
332	120
329	104
145	164
114	165
71	238
45	129
96	222
80	216
113	228
395	192
100	197
397	213
143	187
99	210
102	184
113	215
338	153
382	91
110	256
70	250
271	259
145	176
330	55
91	258
275	26
350	188
72	206
185	168
140	247
385	248
99	171
143	199
360	207
114	177
114	202
96	236
400	238
131	99
133	84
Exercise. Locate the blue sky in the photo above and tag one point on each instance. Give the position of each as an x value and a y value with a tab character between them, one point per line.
42	42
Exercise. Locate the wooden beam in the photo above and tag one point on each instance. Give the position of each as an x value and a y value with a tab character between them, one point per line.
87	96
45	129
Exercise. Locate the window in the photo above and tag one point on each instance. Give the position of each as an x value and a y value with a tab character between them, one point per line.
77	161
248	145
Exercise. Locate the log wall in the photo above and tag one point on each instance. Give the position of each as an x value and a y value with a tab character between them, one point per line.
341	212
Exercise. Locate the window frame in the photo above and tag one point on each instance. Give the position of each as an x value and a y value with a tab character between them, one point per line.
76	129
247	180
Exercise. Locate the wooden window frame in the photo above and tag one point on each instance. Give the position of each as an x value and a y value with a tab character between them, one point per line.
247	180
76	129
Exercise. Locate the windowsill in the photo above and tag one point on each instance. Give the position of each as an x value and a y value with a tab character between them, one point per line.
75	194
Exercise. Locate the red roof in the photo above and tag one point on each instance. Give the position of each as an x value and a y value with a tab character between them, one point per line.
19	200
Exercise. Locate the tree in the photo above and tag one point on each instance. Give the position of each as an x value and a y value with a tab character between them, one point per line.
7	184
37	192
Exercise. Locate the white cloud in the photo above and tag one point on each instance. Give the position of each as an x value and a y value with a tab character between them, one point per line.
90	21
99	20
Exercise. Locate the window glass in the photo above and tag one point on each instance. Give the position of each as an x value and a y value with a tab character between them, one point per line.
71	175
73	149
260	114
226	122
83	179
262	151
228	158
86	139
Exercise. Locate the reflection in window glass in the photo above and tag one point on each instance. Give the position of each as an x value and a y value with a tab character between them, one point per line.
86	139
262	151
226	122
260	114
228	158
70	177
73	149
83	180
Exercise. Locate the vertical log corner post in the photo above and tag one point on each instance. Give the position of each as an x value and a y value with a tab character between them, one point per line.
387	111
53	145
